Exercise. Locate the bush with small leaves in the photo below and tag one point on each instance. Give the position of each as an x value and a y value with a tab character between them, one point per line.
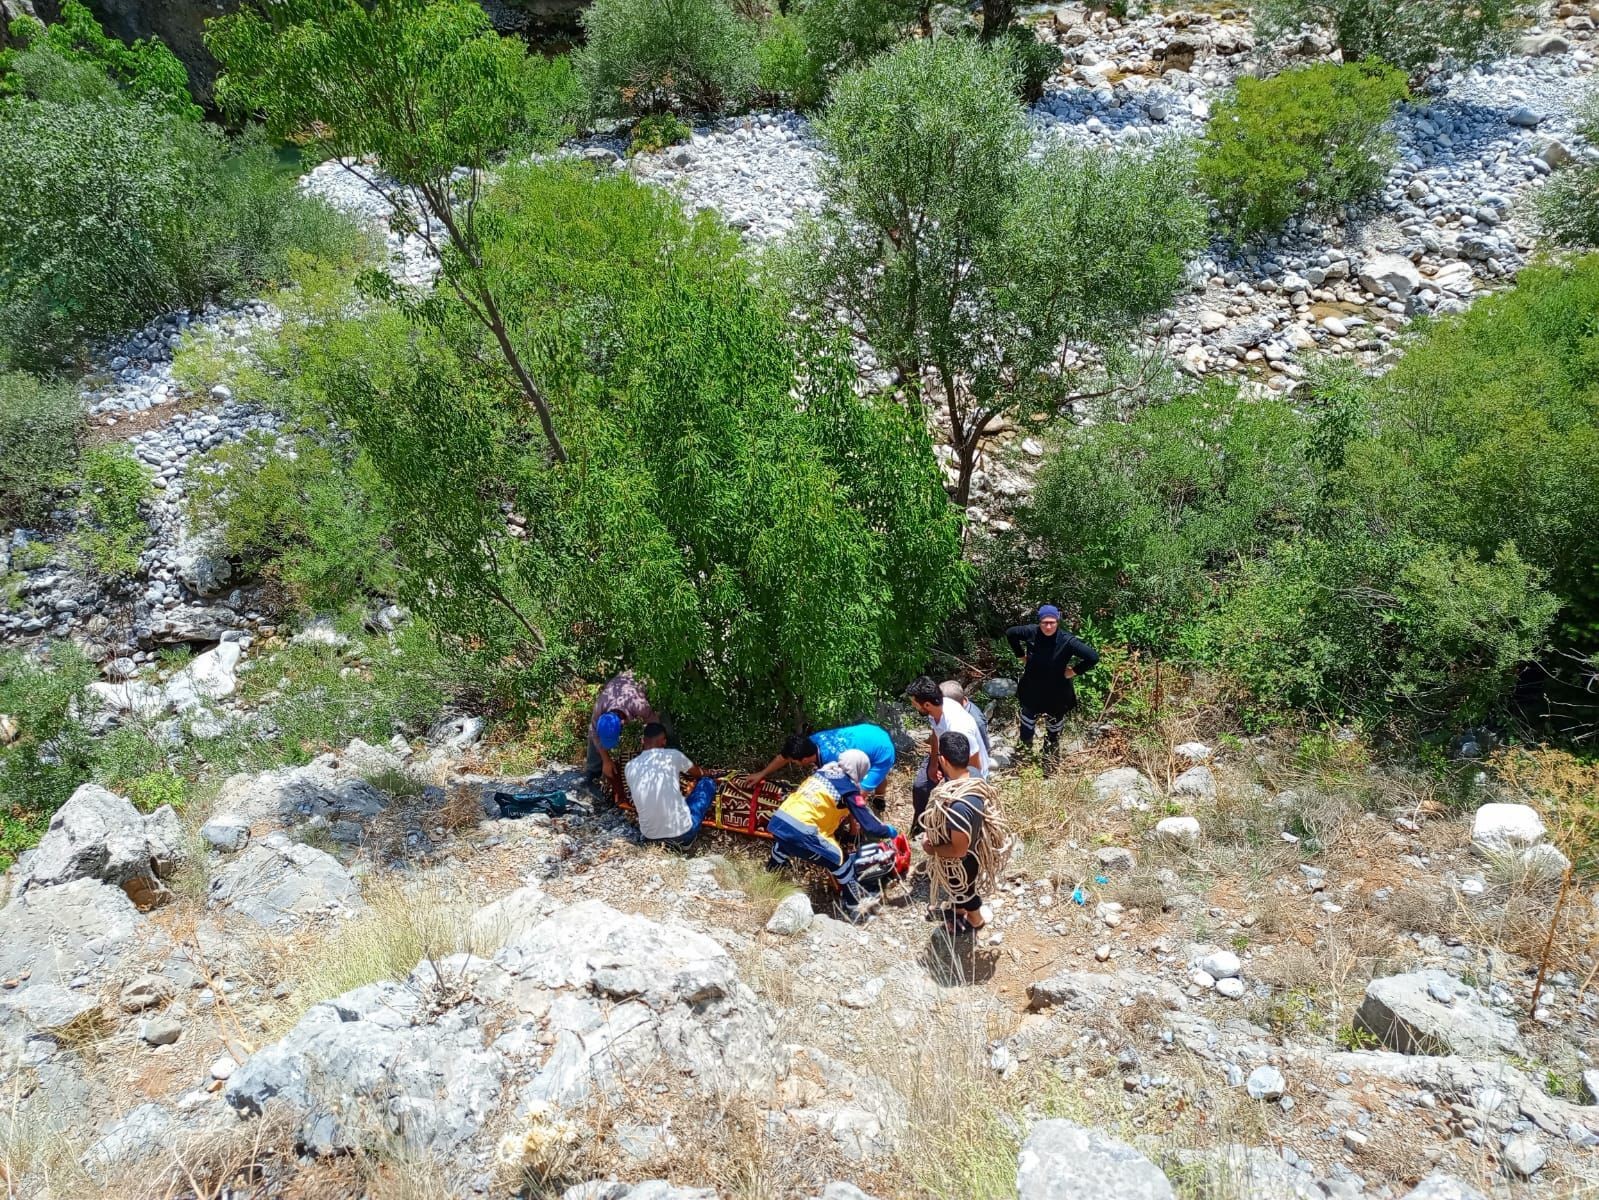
1568	208
39	426
653	56
1036	61
1307	140
52	752
788	73
1414	35
114	532
656	132
73	58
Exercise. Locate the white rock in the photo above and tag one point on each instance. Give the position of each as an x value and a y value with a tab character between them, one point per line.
1210	320
1505	828
1223	964
1181	830
1390	275
1063	1161
1197	782
1192	753
1266	1083
1233	989
792	915
1523	1156
1124	787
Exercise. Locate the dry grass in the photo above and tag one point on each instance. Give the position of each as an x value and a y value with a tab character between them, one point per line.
764	890
404	925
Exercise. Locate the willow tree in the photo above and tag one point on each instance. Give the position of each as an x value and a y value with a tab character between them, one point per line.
416	99
734	522
970	266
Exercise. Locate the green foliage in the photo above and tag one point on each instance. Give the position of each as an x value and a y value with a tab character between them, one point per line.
966	263
1568	208
298	513
1413	35
1307	140
652	56
656	132
840	35
1151	514
1036	61
52	751
114	488
112	211
74	59
787	73
758	558
425	86
39	426
1355	623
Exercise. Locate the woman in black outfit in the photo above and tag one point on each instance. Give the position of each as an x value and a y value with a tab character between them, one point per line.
1052	658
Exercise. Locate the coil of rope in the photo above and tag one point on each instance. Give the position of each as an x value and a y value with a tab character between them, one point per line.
992	847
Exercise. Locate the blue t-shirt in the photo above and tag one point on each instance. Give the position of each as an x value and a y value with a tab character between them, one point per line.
871	740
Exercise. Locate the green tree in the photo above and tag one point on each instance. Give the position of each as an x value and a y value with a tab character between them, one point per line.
734	522
654	56
1414	35
1311	139
145	71
970	267
427	89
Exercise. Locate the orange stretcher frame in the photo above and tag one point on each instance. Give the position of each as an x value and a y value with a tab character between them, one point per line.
737	808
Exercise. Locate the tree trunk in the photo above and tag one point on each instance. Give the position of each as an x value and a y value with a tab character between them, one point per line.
997	17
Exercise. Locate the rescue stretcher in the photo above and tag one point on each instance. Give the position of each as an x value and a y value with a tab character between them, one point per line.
744	809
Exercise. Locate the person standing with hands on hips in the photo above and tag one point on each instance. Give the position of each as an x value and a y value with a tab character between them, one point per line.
1051	659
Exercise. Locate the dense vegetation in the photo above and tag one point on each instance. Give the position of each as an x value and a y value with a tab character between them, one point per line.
1402	547
118	203
1414	35
1307	140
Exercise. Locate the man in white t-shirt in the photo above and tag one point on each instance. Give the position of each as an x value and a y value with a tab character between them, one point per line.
945	716
654	782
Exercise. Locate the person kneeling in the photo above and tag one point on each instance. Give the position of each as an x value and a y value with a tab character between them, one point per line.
965	837
665	815
805	824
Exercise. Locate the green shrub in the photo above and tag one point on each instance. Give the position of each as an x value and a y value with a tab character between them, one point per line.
1307	140
86	62
52	752
1413	35
39	426
114	531
1362	624
658	131
700	492
788	74
1036	61
1568	207
840	35
1143	520
651	56
299	514
113	207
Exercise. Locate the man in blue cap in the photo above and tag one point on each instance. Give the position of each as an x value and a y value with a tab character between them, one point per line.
621	700
1051	659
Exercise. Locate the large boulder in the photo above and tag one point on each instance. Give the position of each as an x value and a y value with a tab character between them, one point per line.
280	881
325	789
1391	276
1064	1161
1431	1012
573	1009
57	934
182	625
97	834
